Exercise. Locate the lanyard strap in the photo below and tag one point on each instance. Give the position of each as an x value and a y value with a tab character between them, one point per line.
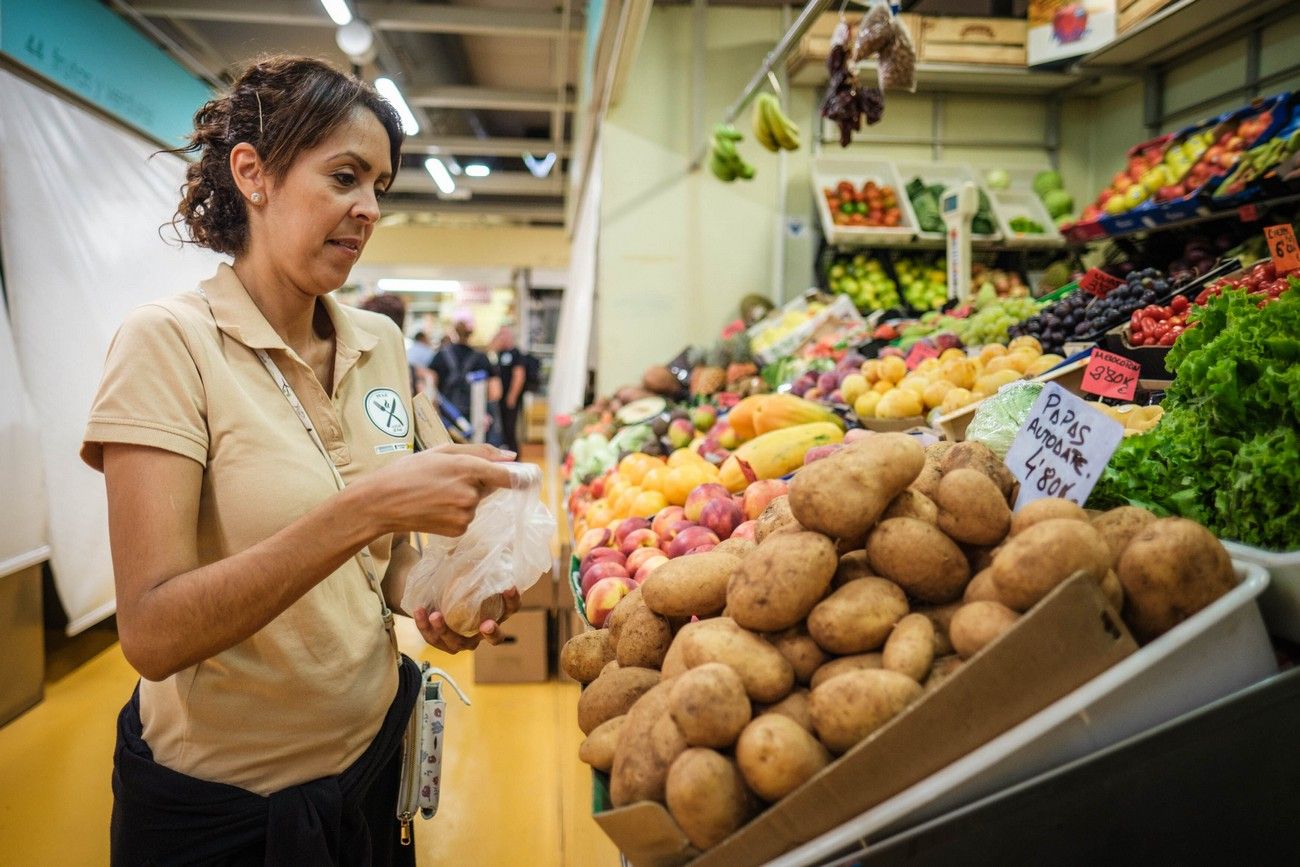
363	556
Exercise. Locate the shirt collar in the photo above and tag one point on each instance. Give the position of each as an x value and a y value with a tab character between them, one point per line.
237	315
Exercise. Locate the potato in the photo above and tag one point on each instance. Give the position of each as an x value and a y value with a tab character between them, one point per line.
780	582
971	508
943	668
980	557
909	649
912	504
852	566
690	585
1113	591
667	740
927	481
735	546
1170	570
622	611
644	639
639	772
919	558
1033	562
776	755
981	588
800	650
597	749
707	797
941	618
844	664
977	456
776	518
674	661
795	706
585	654
1119	526
612	694
857	617
1046	510
844	495
710	705
766	674
612	665
977	624
848	707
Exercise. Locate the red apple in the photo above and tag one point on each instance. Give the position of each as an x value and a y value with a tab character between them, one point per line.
602	596
722	517
704	493
760	493
691	537
666	514
649	566
639	557
592	539
643	538
601	570
745	531
628	526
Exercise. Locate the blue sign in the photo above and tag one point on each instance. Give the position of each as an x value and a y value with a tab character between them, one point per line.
90	50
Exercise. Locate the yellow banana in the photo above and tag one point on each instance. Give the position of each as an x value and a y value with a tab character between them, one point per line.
784	130
762	129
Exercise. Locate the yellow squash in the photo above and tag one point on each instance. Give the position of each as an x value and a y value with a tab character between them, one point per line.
772	455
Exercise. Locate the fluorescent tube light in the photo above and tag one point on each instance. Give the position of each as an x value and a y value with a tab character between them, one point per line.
388	90
440	175
477	170
338	11
397	284
540	168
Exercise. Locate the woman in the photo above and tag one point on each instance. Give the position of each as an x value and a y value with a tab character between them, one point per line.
255	438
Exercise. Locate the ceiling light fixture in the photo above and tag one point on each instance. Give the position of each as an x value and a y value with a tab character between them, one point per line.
388	90
440	175
338	11
357	41
540	168
477	170
399	284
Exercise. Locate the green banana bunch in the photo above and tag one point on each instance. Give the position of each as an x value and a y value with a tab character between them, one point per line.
725	160
772	128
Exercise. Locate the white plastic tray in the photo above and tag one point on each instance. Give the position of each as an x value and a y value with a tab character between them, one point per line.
829	171
1221	649
1022	177
1007	205
1281	601
950	175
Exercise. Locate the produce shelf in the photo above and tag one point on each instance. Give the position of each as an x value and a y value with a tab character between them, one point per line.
958	78
1208	217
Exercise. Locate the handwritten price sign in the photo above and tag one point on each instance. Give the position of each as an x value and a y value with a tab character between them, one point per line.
1062	448
1111	375
1099	283
1283	248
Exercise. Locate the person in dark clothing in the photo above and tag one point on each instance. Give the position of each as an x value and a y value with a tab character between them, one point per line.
512	372
457	365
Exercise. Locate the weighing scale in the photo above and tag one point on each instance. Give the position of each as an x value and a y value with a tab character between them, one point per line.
959	206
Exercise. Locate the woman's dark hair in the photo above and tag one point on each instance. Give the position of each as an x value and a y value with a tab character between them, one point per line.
282	105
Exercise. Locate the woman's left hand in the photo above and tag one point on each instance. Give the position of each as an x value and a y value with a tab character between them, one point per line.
438	634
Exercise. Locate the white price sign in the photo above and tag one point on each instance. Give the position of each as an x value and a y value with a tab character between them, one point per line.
1062	448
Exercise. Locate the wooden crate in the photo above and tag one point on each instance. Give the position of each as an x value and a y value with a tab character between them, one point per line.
815	45
1132	12
985	41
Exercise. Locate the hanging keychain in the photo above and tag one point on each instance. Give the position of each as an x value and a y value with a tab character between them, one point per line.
432	736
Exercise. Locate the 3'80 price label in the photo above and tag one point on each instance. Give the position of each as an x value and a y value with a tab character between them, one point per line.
1062	448
1111	375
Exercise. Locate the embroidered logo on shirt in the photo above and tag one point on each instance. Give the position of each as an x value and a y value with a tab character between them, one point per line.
386	411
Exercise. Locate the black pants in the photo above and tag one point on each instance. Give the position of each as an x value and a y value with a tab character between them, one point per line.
162	817
510	426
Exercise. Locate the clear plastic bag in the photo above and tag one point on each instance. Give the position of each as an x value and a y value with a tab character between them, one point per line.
898	59
874	33
508	544
1000	417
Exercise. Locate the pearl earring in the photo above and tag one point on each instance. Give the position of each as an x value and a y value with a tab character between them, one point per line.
257	198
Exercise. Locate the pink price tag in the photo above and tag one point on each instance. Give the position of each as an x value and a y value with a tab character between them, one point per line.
920	352
1111	375
1248	213
1099	283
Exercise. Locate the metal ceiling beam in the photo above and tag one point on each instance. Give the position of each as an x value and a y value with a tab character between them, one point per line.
487	147
553	213
457	96
495	184
465	21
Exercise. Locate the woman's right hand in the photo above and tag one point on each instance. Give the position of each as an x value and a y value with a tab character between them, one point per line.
435	491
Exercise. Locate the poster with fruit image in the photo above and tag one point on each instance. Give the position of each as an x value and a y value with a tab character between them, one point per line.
1064	29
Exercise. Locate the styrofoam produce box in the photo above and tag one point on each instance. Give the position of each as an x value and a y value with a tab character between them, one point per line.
1008	205
1216	652
1281	601
827	172
949	175
1022	177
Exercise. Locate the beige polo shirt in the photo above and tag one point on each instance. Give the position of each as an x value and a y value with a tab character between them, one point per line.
302	698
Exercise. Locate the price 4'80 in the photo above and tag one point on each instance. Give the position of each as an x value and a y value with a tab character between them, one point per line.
1060	435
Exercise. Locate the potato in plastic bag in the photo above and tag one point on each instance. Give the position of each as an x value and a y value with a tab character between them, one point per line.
508	544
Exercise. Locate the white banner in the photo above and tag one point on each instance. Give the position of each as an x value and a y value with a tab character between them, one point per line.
81	201
22	488
573	338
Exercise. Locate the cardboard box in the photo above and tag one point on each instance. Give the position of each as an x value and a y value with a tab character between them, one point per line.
524	655
1066	640
540	595
1060	30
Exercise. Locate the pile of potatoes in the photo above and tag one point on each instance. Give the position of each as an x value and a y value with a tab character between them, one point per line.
729	678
